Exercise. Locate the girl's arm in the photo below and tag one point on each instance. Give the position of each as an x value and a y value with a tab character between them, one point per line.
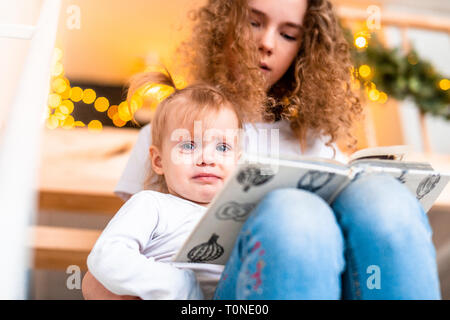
92	289
117	263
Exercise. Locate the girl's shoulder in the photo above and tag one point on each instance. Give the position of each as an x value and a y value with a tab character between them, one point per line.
164	200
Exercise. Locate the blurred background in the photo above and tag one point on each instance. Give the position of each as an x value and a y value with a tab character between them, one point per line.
401	52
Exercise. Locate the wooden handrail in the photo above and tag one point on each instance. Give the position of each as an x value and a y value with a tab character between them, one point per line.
56	248
398	20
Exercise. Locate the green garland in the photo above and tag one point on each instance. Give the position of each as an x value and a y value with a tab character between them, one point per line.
402	75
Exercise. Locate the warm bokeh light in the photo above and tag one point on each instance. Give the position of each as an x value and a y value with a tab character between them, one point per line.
118	122
374	95
101	104
76	94
59	85
364	71
444	84
360	42
66	107
124	112
112	111
57	69
95	125
52	122
54	100
68	123
383	97
89	96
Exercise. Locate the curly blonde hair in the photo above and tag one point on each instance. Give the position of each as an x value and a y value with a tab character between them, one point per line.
314	94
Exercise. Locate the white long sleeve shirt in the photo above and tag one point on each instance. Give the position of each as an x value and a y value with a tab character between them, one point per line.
260	138
133	254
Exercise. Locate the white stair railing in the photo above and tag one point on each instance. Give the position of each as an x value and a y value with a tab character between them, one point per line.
19	147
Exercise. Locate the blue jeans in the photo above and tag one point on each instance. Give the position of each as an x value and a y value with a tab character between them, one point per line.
374	242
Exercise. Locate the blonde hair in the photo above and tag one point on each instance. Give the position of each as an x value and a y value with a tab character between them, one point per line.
314	94
184	105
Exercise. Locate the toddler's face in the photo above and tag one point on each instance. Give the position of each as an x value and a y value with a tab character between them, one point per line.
196	164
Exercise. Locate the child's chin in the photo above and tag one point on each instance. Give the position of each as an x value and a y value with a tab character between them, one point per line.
206	193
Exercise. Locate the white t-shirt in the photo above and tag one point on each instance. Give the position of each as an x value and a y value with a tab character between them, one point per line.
133	254
260	138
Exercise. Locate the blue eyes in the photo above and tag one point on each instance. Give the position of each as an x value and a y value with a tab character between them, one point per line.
190	146
187	146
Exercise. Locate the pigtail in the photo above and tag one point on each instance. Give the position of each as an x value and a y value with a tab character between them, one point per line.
148	78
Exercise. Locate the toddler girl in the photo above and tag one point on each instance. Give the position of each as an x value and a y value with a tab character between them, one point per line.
191	161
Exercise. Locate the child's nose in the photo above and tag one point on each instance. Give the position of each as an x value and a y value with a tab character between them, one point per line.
206	156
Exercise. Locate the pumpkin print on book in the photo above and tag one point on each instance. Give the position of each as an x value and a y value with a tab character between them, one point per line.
426	185
314	180
254	176
234	211
207	251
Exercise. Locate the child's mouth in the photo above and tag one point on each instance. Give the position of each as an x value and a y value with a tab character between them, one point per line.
206	178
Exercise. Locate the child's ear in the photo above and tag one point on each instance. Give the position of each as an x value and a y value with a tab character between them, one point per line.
155	160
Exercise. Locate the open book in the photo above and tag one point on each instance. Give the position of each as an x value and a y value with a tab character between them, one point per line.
213	238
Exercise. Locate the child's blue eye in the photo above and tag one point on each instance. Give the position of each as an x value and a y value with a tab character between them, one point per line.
254	24
223	148
188	146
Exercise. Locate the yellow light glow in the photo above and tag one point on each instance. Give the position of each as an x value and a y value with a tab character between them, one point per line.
59	115
444	84
112	111
360	42
95	125
383	97
66	94
118	122
124	112
365	71
136	103
101	104
57	70
79	124
76	94
66	107
164	92
180	82
54	100
68	123
59	85
57	54
374	95
52	122
89	96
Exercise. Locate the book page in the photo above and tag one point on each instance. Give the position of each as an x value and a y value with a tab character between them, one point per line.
397	152
422	181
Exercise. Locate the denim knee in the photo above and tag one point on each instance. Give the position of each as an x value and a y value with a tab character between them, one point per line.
297	221
381	207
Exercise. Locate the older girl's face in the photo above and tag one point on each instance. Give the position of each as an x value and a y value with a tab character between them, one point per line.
277	28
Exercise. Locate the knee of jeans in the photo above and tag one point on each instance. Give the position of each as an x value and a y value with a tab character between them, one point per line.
292	217
381	206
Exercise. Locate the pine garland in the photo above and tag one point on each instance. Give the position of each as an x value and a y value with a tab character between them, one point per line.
402	75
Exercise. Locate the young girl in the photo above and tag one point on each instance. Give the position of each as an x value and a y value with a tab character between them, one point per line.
132	256
288	65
